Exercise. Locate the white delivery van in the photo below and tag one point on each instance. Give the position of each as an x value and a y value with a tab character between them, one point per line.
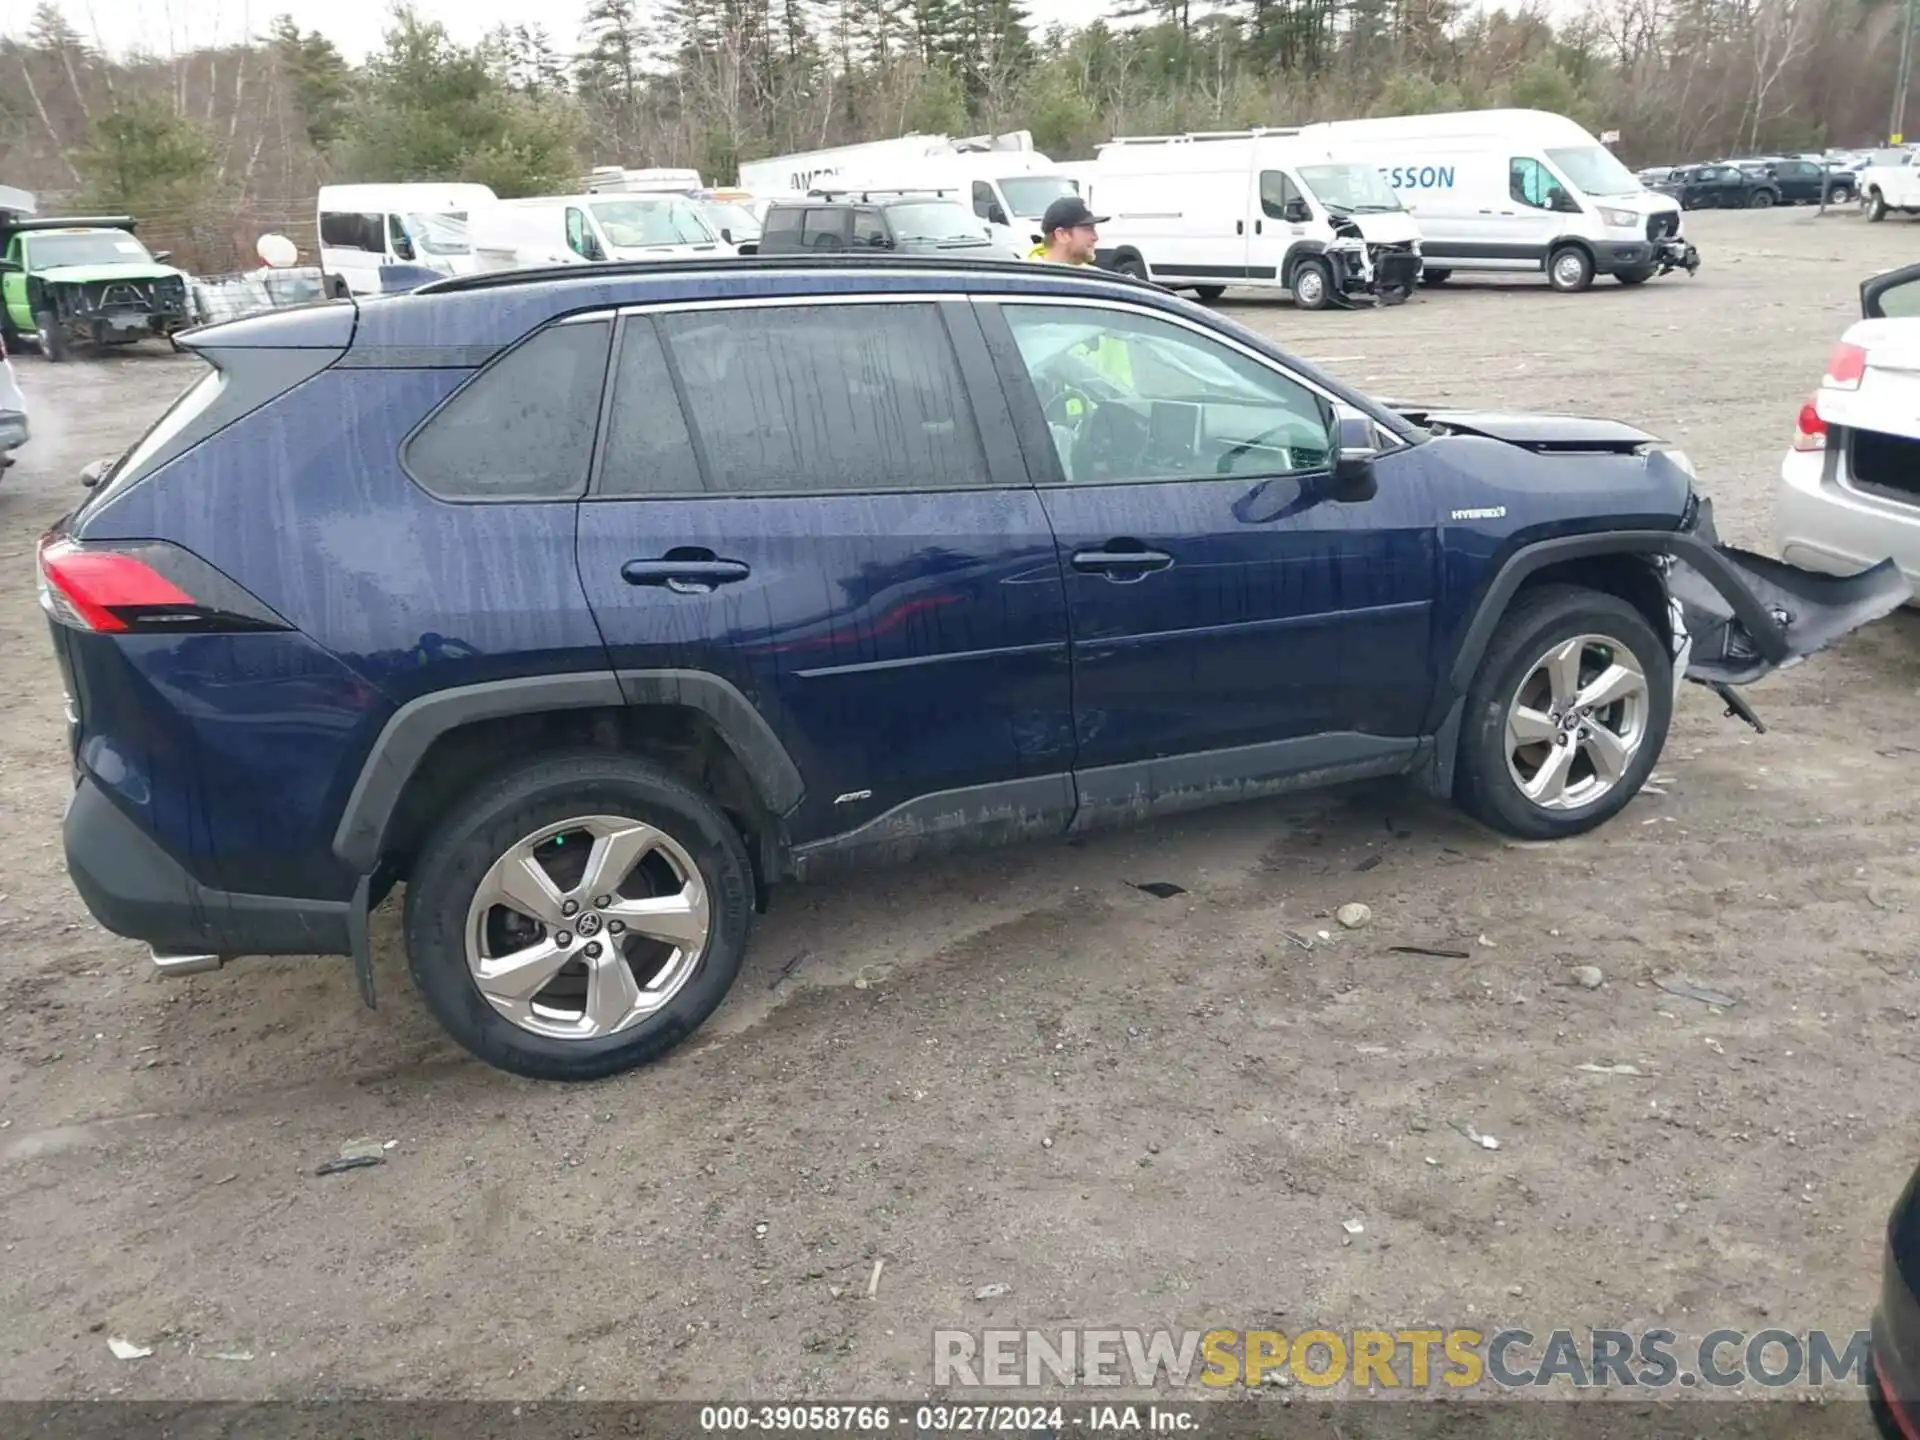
1253	207
363	227
588	229
658	180
1519	190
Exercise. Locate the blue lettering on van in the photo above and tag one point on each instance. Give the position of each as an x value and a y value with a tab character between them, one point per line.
1419	177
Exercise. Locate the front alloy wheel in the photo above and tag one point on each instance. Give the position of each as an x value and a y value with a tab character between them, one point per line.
1576	723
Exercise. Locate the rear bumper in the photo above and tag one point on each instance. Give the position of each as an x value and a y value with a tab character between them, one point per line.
1823	526
134	888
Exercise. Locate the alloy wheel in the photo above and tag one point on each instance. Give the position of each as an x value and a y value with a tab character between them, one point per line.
1577	722
586	927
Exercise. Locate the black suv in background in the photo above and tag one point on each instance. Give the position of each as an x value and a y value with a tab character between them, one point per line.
835	221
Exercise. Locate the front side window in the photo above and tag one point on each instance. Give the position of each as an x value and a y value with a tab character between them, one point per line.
983	201
1277	192
1131	397
870	229
577	238
523	428
825	397
1531	183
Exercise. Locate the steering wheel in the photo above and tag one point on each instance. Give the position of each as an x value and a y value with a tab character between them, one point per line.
1056	409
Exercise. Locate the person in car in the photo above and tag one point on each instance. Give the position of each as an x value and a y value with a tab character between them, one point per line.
1069	232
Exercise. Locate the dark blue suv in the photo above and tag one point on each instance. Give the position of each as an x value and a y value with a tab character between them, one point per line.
590	603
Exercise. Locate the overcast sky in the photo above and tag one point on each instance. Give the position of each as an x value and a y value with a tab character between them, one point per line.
353	25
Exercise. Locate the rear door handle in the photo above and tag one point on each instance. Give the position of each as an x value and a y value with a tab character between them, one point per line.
684	577
1239	227
1121	564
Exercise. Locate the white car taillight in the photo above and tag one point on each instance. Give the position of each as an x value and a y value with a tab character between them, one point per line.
1809	430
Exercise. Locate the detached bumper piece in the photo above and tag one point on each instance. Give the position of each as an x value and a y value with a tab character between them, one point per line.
1384	274
1676	254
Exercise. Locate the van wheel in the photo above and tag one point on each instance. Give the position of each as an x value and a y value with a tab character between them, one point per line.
1569	269
578	915
1132	266
1566	715
1435	277
1638	275
1209	293
1876	207
1312	284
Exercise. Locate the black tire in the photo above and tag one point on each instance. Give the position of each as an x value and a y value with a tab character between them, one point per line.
51	337
1562	273
1317	276
1761	200
1876	207
1840	195
1435	277
546	791
1209	293
1637	276
1484	785
1132	265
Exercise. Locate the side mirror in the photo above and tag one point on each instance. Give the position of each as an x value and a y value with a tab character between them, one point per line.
726	234
997	215
162	255
402	248
1296	212
1565	204
11	267
1355	445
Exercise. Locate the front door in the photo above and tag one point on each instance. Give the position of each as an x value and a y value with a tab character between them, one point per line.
13	287
1532	217
1222	598
837	525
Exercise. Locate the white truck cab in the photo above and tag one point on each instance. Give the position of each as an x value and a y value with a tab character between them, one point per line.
590	229
1519	190
1269	208
1890	180
363	227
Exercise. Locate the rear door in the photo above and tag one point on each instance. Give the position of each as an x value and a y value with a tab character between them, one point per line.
819	503
1222	599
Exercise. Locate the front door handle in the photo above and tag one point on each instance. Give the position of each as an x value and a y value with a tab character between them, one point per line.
1121	564
1239	227
684	576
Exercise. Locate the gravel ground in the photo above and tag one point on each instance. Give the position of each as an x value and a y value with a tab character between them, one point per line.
1017	1069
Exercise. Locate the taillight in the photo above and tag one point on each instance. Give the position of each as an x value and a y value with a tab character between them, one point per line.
1846	367
1809	430
143	587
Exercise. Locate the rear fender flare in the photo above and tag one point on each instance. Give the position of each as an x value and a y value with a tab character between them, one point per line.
410	732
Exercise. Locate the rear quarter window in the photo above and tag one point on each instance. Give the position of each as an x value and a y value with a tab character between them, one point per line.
523	428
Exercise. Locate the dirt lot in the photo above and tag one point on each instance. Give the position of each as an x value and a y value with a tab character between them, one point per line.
1015	1068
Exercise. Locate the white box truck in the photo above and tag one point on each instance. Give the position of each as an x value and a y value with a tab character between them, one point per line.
1518	190
363	227
1263	208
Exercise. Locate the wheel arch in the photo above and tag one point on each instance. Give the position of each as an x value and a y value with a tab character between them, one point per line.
1570	242
698	724
1296	252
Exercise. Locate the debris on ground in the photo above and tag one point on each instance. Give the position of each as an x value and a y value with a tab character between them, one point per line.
1159	889
1687	990
1485	1142
1587	977
231	1355
1295	938
1353	917
1369	862
350	1162
785	972
873	1280
362	1149
126	1349
1436	952
1487	943
1593	1069
994	1291
1353	1227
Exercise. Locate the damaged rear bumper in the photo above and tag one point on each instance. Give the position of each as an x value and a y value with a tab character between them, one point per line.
1747	615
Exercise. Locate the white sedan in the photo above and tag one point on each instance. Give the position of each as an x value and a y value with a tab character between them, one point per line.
13	411
1849	492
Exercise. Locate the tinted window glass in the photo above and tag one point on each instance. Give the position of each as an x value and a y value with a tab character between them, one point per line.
1129	397
1529	182
825	230
826	397
352	231
648	451
870	229
1277	191
781	218
523	427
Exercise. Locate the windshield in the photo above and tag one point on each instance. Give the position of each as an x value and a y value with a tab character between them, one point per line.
741	221
935	221
440	234
1356	189
98	247
635	224
1594	169
1029	195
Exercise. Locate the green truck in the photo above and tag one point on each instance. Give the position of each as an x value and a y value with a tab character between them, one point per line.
85	280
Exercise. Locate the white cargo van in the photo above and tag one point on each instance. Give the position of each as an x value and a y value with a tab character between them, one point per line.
1253	207
1519	190
587	229
363	227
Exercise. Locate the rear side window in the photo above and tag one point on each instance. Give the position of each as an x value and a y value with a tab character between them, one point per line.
825	398
523	428
648	450
825	230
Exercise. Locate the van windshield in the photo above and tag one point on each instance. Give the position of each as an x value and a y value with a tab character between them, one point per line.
636	224
1350	189
440	234
1594	170
1030	195
725	215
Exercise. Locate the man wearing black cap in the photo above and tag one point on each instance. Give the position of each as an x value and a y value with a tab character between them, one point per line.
1068	233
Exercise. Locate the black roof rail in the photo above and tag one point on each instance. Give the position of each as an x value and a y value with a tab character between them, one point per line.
73	222
765	264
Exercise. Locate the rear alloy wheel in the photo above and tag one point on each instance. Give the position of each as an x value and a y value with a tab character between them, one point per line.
1312	284
1569	269
1760	200
1841	195
1567	715
579	916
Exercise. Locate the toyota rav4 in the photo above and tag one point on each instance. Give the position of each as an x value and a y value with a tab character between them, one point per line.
589	604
